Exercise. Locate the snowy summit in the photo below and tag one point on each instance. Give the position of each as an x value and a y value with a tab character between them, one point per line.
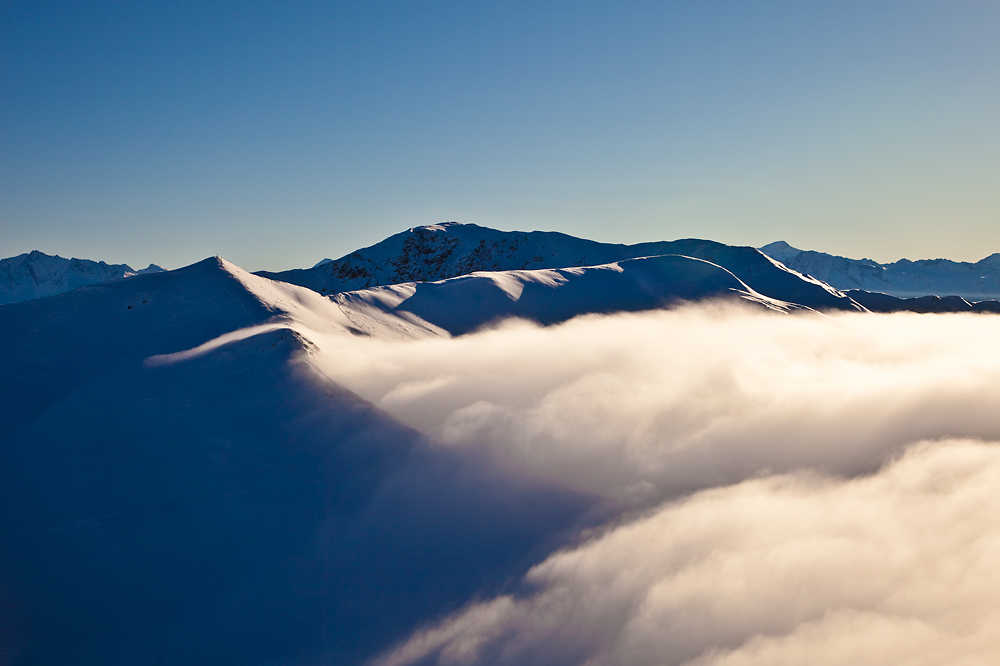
36	274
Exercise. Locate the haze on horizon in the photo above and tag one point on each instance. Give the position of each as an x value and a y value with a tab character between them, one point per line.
277	135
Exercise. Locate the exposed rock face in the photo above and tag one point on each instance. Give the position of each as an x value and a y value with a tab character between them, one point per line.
441	251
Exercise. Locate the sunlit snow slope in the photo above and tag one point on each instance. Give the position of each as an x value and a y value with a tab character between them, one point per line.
441	251
462	304
437	252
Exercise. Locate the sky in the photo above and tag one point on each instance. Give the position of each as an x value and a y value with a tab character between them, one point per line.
276	134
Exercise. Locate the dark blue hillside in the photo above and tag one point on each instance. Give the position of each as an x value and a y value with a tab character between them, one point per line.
232	508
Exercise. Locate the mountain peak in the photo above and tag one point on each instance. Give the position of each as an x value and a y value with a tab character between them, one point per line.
438	252
781	251
440	226
36	274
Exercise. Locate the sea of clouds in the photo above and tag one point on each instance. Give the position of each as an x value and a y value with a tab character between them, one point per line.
893	568
775	489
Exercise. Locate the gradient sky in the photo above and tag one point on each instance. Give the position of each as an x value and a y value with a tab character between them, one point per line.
277	135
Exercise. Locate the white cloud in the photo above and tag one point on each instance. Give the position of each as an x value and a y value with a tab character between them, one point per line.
783	551
898	567
644	406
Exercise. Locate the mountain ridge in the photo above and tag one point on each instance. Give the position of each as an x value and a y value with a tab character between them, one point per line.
466	303
978	281
36	275
442	251
173	464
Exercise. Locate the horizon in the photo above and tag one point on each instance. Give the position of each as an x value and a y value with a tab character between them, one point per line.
324	259
164	134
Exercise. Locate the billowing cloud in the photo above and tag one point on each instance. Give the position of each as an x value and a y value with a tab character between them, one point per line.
776	489
897	567
775	524
641	407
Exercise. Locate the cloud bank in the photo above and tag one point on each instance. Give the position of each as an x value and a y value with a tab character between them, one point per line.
781	490
640	407
898	567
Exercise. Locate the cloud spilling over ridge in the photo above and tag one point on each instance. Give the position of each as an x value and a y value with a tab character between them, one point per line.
642	406
897	567
798	489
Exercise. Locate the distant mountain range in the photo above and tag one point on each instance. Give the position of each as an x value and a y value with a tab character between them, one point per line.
904	278
443	251
36	274
810	279
432	253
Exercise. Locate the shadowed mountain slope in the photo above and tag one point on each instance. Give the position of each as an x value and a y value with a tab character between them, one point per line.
179	485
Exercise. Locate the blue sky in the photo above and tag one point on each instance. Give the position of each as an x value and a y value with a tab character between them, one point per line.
276	135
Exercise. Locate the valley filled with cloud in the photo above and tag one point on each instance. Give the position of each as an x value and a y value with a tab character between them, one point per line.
774	488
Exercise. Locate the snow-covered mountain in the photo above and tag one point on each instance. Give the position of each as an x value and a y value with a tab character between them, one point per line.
180	483
549	296
442	251
36	274
187	477
904	278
